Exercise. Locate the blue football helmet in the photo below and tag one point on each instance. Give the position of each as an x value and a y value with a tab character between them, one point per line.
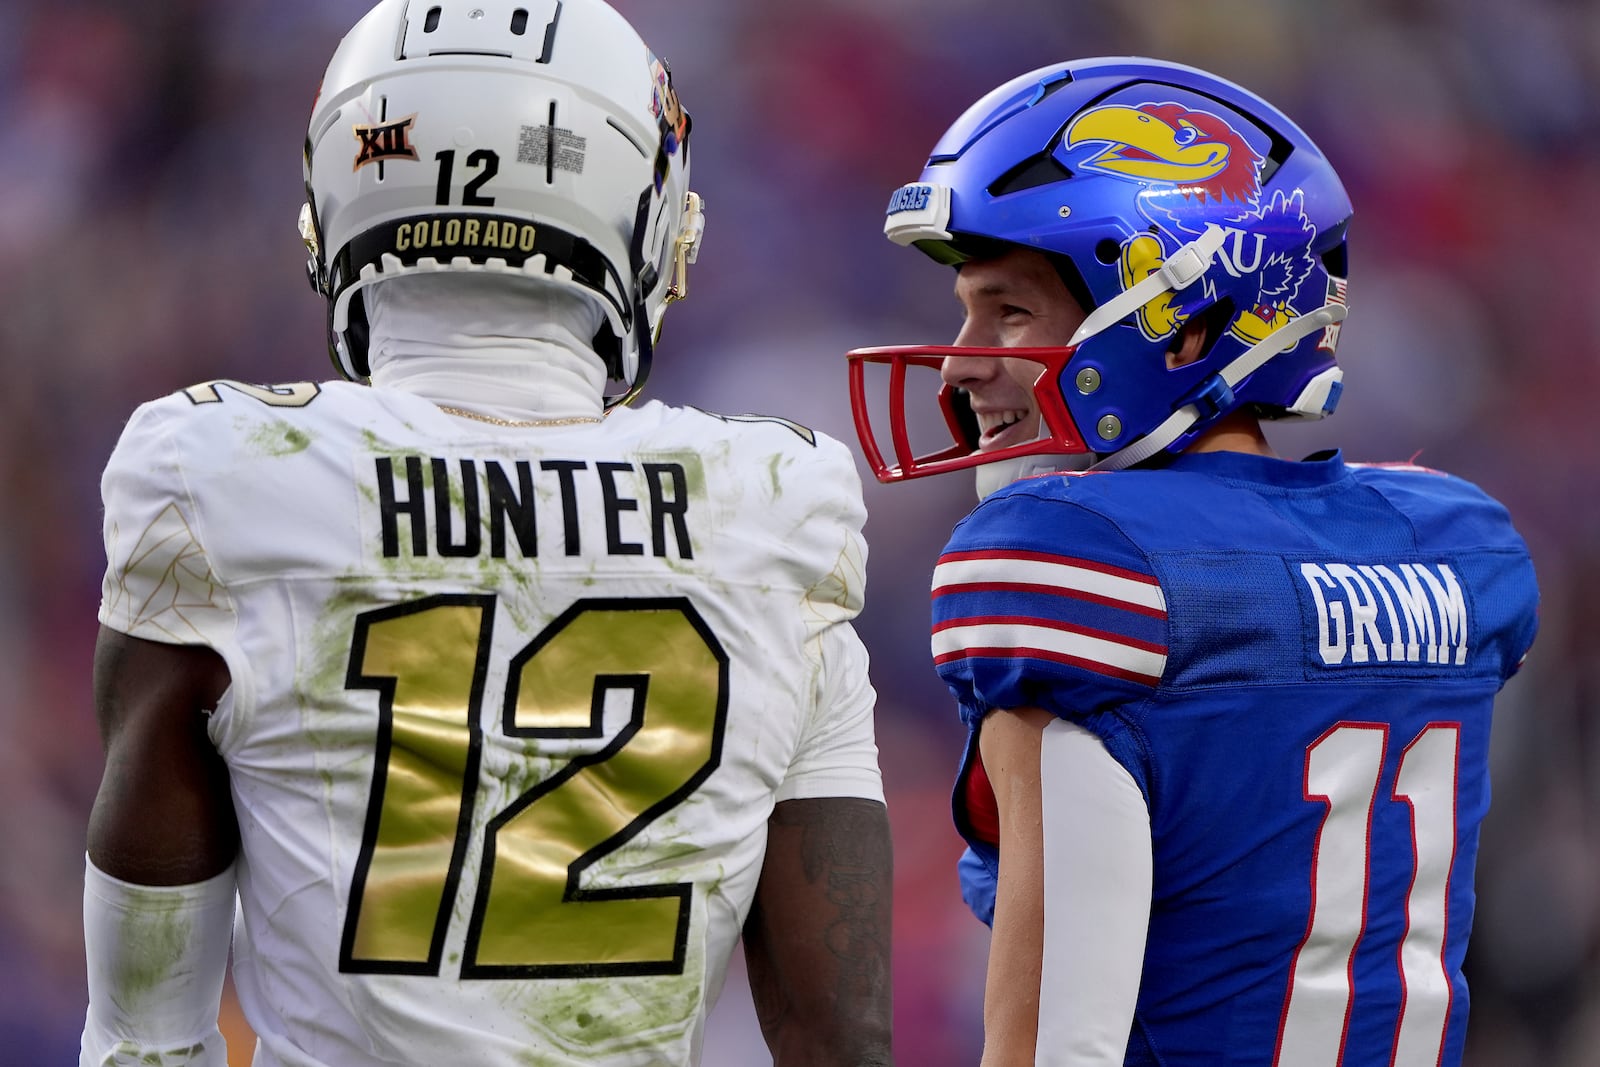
1164	195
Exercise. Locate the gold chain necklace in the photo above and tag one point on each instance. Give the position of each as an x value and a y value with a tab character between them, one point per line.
575	420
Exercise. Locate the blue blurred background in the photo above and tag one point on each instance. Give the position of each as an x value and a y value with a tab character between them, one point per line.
149	183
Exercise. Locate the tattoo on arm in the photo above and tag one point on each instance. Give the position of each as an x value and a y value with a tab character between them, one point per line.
818	937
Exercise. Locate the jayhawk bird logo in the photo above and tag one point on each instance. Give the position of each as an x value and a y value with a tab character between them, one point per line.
1200	171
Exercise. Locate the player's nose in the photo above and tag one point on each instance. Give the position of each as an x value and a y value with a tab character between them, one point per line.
965	372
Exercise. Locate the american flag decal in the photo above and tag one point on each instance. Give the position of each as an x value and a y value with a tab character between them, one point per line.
1338	289
1010	604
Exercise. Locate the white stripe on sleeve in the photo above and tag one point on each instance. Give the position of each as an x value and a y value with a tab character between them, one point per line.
1057	576
1019	638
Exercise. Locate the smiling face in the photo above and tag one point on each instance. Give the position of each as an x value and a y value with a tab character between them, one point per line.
1016	300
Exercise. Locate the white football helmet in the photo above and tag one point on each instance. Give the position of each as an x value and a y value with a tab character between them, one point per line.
535	137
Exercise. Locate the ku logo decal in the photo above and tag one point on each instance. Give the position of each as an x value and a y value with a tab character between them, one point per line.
1198	170
384	141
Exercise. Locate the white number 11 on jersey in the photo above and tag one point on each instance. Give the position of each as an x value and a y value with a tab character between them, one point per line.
1343	770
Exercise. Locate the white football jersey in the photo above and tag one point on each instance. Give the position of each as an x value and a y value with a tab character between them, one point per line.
510	706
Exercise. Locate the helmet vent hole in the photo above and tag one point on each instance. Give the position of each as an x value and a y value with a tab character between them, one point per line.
1030	174
1282	148
1107	251
630	137
519	21
431	21
550	35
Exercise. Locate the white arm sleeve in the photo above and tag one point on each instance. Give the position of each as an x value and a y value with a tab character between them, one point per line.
157	958
1097	884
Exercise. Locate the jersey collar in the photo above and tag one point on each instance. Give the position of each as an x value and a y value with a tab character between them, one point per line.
1317	469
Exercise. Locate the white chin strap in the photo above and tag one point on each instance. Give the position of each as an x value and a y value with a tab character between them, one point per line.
1251	359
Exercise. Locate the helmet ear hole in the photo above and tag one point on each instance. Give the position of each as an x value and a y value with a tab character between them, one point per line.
1107	251
1217	317
358	334
1215	320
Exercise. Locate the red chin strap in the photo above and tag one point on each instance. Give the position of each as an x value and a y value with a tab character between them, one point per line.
1061	436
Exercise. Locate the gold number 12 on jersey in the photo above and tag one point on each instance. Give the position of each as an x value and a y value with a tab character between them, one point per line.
531	918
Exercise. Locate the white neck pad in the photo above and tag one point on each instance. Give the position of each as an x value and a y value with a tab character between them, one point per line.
508	347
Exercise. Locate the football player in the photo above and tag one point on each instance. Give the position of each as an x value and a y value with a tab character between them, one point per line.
1228	713
502	708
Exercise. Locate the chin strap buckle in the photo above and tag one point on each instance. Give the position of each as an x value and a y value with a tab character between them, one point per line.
686	247
1210	399
308	234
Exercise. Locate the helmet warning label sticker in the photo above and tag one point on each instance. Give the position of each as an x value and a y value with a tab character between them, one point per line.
551	146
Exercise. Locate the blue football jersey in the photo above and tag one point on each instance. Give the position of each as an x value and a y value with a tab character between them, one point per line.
1296	663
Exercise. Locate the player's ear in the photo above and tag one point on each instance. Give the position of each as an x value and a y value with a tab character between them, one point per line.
1188	346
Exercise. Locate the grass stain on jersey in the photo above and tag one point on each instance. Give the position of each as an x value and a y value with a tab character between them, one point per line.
150	941
774	466
321	684
516	583
602	1017
279	439
694	471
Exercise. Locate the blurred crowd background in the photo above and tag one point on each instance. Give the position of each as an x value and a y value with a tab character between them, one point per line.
149	183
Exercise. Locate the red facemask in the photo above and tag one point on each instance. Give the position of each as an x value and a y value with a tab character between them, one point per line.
1060	434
